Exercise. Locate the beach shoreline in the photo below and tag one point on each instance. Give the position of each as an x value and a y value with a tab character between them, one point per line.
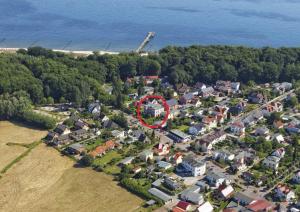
75	52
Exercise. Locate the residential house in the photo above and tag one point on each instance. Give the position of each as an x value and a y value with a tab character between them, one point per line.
279	153
79	135
75	149
293	128
186	98
206	207
238	109
196	102
177	158
162	149
271	162
224	192
62	129
185	206
192	195
182	88
199	86
171	183
136	169
284	193
278	124
243	199
206	143
138	135
257	98
238	128
146	155
94	108
173	104
173	114
118	134
149	79
263	132
102	149
278	138
109	124
164	165
81	125
210	122
194	166
62	140
127	161
179	136
248	177
154	110
280	88
207	92
272	107
223	155
216	179
296	178
160	195
197	129
260	205
148	90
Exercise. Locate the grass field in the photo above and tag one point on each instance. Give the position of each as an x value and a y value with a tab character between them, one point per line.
15	133
46	181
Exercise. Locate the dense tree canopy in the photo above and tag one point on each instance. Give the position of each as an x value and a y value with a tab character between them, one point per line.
48	76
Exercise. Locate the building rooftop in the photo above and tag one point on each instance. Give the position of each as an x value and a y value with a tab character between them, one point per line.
159	194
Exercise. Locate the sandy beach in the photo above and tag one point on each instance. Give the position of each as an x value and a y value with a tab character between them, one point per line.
81	53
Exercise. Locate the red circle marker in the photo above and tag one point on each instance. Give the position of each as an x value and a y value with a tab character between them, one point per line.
166	107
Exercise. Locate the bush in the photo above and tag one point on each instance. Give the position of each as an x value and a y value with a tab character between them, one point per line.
38	120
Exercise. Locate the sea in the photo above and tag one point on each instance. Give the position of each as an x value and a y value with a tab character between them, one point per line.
121	25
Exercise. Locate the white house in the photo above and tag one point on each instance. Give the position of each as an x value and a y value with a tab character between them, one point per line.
216	179
118	134
238	128
146	155
206	207
196	167
284	193
197	129
271	162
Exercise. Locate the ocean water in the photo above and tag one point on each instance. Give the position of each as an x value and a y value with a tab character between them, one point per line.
119	25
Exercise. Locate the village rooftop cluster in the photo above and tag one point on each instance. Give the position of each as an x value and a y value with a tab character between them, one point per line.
225	147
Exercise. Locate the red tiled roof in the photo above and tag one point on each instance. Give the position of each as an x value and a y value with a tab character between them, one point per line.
103	148
260	205
183	205
176	209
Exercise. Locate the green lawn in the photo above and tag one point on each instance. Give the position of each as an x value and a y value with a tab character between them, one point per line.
107	158
183	128
91	145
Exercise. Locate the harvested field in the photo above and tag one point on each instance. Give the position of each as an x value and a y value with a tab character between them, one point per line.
46	181
15	133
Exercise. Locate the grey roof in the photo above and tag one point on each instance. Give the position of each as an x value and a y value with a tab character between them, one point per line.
243	198
215	175
199	127
159	194
172	102
188	96
192	161
157	182
179	133
76	146
127	160
192	195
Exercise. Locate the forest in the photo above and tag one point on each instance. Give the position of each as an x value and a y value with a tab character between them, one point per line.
48	77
